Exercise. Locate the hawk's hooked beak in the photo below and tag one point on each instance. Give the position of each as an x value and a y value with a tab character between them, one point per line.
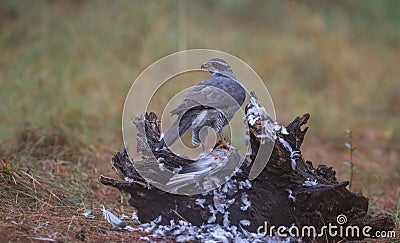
203	66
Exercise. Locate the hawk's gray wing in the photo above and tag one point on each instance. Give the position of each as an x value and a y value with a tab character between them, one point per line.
207	96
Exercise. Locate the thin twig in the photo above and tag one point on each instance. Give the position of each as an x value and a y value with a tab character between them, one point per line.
180	216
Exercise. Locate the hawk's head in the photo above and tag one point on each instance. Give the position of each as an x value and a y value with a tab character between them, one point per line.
218	65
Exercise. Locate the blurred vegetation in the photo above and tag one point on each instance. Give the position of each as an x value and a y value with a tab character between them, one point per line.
66	67
70	63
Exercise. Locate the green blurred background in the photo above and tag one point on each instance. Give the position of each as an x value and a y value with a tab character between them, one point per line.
66	67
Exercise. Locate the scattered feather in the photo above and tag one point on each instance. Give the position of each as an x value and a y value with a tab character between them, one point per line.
161	166
245	184
246	203
44	239
88	214
212	219
213	212
229	188
130	180
245	222
115	222
286	145
284	131
290	196
293	164
157	220
146	238
226	221
161	137
177	170
249	152
309	182
294	154
200	202
219	201
230	202
134	217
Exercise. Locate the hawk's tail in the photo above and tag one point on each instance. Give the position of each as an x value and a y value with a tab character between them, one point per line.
179	127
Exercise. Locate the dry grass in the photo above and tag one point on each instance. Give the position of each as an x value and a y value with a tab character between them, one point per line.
47	198
66	66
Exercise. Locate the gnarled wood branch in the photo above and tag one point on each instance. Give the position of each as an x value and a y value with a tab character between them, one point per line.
288	191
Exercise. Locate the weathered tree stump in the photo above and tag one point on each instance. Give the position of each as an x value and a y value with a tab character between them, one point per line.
289	191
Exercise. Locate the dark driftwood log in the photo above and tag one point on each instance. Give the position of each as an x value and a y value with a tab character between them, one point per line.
316	205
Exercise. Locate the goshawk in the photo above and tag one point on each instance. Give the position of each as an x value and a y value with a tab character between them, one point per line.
210	103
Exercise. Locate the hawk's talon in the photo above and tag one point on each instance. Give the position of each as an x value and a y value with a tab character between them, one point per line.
222	143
